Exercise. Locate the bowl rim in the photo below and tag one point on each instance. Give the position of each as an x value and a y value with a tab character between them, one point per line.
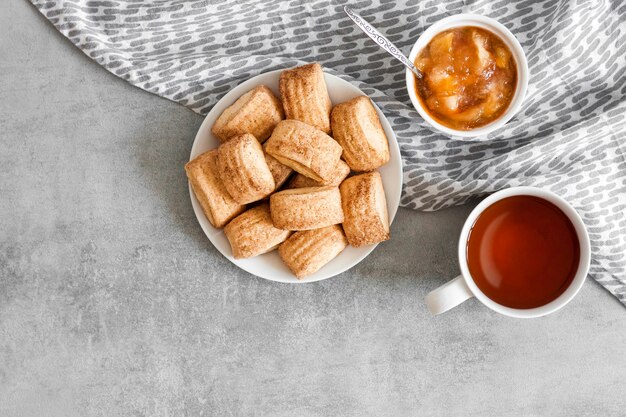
492	25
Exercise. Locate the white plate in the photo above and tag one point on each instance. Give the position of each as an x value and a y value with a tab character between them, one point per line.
269	265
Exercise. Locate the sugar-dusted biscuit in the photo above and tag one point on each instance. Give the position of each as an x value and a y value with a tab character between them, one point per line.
243	169
253	233
305	97
357	128
307	251
256	112
340	173
279	171
307	150
365	209
217	204
306	208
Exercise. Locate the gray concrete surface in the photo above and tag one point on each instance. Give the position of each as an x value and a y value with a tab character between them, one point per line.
113	302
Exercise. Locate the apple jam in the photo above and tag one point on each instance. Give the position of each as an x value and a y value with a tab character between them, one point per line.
469	78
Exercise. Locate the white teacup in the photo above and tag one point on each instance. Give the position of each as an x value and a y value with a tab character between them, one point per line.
463	287
509	40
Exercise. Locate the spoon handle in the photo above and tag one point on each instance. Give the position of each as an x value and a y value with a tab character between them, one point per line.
381	40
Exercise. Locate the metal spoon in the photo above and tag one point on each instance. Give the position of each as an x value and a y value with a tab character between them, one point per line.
382	41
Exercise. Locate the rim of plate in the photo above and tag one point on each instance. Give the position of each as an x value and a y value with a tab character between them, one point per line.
202	143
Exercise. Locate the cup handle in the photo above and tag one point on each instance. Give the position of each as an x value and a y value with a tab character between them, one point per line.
449	295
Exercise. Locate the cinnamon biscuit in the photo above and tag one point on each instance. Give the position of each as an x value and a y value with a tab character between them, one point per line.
307	251
243	169
256	112
306	208
305	97
365	209
252	233
357	128
218	206
305	149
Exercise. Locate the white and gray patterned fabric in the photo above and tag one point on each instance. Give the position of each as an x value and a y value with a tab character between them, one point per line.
567	137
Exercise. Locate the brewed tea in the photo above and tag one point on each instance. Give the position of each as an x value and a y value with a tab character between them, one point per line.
523	252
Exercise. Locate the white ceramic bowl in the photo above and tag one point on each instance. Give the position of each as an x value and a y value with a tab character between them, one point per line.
269	265
507	37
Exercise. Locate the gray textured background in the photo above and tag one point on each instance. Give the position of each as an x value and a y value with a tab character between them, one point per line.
113	303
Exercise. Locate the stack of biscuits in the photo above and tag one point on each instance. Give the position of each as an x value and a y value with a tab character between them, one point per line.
295	174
